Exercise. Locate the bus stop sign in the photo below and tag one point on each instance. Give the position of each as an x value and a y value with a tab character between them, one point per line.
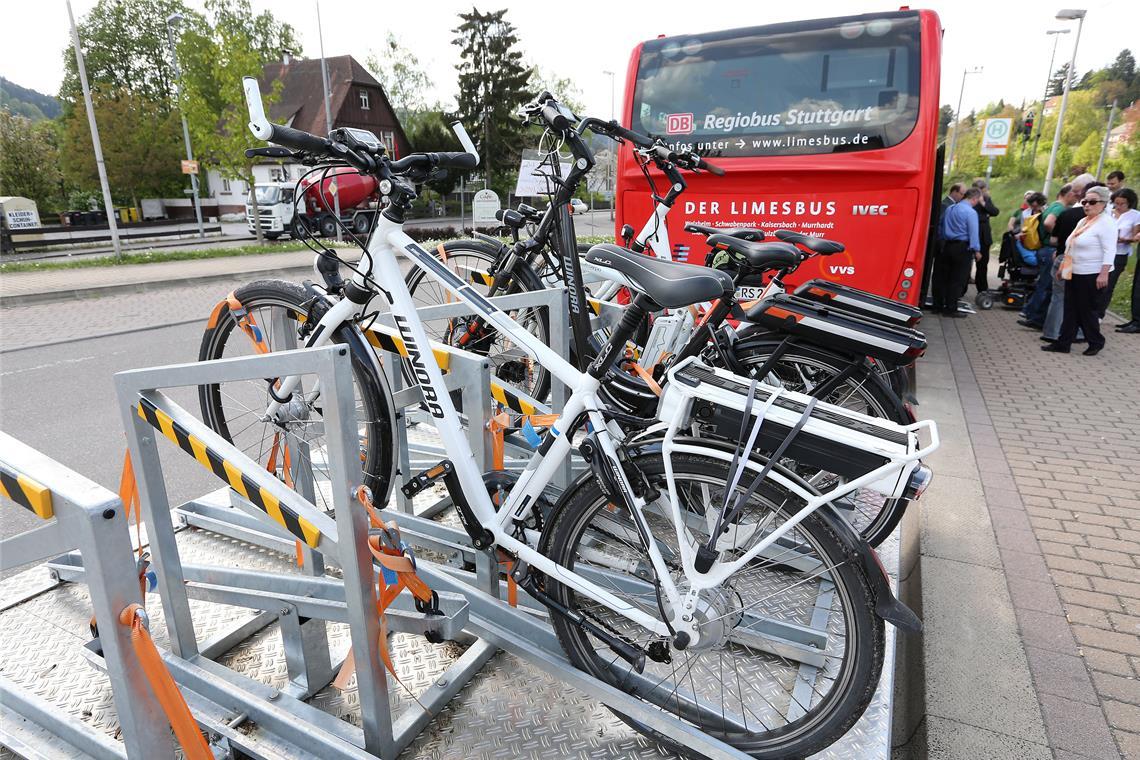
995	136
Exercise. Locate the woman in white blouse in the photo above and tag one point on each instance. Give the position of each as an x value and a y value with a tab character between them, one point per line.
1092	249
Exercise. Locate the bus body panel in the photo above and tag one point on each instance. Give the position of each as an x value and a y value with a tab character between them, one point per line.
877	202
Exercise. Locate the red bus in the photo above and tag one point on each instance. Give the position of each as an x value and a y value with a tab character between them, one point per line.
826	127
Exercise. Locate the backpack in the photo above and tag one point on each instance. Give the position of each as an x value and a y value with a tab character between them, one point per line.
1032	230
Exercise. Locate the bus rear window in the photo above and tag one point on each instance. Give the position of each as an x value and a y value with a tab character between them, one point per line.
792	89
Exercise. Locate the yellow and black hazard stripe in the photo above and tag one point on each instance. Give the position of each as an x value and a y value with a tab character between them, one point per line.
595	306
512	401
235	478
479	277
26	492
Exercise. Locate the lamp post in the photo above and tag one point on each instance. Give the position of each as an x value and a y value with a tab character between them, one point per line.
1045	96
328	119
958	116
1107	135
610	166
1067	14
95	144
172	21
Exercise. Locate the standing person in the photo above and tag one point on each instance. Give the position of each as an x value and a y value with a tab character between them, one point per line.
1132	327
1092	248
985	209
1066	222
960	246
1115	181
1038	305
953	195
1127	225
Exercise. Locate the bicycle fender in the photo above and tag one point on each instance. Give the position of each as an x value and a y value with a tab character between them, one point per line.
887	605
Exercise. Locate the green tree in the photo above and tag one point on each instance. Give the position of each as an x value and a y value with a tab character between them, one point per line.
1124	67
29	160
562	88
945	119
405	82
493	83
236	43
125	48
1057	81
142	146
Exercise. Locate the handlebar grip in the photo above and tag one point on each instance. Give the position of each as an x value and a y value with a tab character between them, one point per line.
456	160
465	140
554	117
298	140
711	168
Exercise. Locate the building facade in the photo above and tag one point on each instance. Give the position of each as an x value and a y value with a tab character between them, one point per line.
356	99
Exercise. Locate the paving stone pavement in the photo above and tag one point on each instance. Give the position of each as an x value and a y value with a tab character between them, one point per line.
1057	438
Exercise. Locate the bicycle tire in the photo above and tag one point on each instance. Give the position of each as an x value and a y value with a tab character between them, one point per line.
375	411
524	280
849	678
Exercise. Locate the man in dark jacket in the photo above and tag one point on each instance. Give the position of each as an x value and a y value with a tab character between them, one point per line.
986	209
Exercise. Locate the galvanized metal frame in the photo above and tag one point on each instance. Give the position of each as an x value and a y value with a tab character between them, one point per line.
284	714
91	519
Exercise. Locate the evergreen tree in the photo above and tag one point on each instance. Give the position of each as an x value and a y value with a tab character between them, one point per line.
493	84
1057	81
945	119
1123	68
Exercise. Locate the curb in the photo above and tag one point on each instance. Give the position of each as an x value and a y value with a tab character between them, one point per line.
24	299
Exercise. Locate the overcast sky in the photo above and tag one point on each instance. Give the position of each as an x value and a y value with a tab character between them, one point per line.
582	40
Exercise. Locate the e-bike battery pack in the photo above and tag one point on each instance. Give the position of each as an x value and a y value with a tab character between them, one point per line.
832	439
838	328
859	302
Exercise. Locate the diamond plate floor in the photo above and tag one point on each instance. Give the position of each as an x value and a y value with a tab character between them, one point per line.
510	709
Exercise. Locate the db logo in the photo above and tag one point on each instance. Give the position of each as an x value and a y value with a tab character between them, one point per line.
678	123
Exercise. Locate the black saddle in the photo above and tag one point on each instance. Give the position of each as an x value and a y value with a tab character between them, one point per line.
758	255
821	246
744	233
670	284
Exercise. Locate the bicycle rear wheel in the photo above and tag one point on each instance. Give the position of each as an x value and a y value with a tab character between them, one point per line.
790	649
294	442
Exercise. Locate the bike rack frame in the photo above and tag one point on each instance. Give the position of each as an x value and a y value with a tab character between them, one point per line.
85	516
471	602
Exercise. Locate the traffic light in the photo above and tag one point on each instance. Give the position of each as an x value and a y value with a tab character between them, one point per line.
1028	129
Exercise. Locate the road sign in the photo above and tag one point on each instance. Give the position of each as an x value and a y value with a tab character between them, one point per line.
483	208
534	175
996	134
189	167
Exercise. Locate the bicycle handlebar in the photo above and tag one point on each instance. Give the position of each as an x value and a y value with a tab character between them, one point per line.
317	146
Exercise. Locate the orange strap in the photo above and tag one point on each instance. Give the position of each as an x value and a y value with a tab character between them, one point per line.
512	586
542	420
648	378
497	425
247	324
391	557
129	495
173	704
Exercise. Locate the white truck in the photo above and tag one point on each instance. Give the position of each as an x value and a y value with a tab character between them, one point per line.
281	212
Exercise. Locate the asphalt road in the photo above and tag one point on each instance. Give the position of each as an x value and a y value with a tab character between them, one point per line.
60	398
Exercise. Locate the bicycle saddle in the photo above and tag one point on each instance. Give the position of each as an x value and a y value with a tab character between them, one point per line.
758	255
670	284
744	233
821	246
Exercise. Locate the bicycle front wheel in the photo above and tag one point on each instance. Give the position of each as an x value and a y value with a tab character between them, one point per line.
509	362
294	442
790	649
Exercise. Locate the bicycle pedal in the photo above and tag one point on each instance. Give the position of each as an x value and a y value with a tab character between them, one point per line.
426	478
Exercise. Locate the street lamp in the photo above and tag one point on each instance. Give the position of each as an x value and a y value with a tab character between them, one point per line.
1048	78
173	20
613	152
958	116
1067	14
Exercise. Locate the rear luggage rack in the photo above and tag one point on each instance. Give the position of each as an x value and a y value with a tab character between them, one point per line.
859	302
832	438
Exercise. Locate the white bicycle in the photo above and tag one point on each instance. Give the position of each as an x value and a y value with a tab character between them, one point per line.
705	580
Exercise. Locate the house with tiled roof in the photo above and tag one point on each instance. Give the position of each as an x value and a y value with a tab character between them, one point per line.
356	99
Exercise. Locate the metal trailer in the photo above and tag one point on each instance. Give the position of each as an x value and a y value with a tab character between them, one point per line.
254	645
